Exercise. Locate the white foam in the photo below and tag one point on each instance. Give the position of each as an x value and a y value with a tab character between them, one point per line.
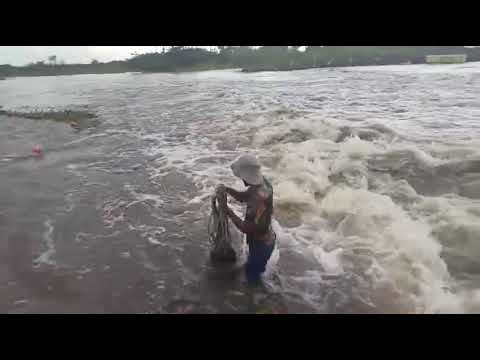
78	141
300	174
46	256
401	251
157	200
330	261
153	241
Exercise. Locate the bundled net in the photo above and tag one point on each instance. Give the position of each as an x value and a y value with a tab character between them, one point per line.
219	231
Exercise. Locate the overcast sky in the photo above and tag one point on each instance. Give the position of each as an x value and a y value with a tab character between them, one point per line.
22	55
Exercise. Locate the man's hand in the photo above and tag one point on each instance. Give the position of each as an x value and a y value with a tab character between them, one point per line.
225	208
220	189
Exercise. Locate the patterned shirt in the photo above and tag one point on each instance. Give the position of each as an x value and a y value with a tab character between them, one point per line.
258	217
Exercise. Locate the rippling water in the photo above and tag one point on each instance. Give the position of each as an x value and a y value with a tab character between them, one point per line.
376	173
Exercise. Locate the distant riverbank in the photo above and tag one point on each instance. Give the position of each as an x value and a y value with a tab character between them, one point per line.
194	69
266	58
41	69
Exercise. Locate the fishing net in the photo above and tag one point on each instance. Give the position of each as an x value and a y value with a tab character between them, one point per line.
219	231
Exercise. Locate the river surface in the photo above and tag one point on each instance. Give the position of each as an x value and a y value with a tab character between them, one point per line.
376	175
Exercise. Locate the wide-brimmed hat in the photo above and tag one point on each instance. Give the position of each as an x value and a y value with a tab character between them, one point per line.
247	168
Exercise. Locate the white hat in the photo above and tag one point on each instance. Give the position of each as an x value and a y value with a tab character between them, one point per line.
247	167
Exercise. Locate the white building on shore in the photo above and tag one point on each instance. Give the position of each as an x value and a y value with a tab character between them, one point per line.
446	59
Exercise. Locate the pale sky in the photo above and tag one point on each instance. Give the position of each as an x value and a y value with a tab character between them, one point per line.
22	55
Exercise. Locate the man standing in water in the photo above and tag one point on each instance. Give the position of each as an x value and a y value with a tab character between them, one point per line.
257	224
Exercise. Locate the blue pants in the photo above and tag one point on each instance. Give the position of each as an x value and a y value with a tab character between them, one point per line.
258	255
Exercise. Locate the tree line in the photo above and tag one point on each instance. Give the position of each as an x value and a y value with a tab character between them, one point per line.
188	58
289	57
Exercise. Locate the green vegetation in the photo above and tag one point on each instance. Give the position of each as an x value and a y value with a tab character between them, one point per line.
276	58
273	58
42	69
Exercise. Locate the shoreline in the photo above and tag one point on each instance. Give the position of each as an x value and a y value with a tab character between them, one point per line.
212	68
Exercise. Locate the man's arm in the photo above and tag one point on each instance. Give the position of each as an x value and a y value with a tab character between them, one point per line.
244	226
241	196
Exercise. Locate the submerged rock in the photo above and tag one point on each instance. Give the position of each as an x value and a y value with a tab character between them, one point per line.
78	119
